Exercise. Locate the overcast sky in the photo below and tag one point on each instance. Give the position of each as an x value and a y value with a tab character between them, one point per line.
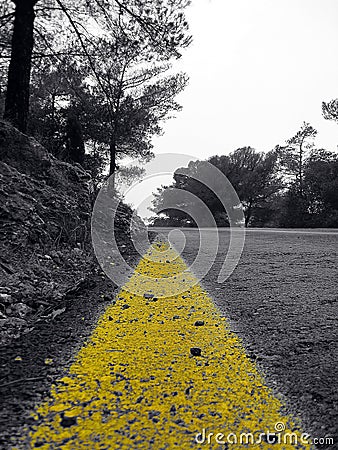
258	69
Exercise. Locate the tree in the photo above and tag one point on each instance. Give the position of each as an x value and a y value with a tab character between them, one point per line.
172	206
292	156
330	110
6	19
184	203
321	188
122	111
252	174
293	209
318	206
132	91
95	162
53	99
17	95
75	143
163	26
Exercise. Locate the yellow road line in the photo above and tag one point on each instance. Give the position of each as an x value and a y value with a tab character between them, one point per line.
136	385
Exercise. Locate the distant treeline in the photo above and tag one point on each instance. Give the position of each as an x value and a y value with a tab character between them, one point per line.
294	185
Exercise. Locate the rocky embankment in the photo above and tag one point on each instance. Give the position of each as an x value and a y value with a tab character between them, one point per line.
46	256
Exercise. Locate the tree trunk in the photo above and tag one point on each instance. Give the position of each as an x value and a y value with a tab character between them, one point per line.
248	214
75	142
112	164
300	174
17	95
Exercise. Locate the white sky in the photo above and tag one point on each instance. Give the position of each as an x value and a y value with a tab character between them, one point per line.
258	69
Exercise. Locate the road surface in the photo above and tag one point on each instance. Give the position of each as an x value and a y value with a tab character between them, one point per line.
282	300
187	363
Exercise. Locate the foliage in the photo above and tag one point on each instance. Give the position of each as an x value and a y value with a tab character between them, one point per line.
251	173
321	187
292	156
101	72
330	110
268	197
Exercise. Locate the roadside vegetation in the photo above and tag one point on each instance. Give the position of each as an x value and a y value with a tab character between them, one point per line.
294	185
92	81
82	86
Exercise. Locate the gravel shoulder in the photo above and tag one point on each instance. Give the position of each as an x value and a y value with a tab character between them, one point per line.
30	365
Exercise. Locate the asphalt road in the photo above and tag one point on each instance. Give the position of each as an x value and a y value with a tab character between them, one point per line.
163	371
282	300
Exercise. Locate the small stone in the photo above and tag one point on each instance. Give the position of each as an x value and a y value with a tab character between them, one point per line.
180	422
152	414
4	289
199	323
187	391
20	309
125	306
176	317
195	351
67	422
117	393
6	298
173	410
147	295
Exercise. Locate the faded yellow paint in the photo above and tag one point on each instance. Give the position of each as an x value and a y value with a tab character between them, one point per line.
135	385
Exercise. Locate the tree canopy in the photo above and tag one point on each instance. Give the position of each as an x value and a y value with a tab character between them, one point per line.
292	186
251	173
92	75
330	110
